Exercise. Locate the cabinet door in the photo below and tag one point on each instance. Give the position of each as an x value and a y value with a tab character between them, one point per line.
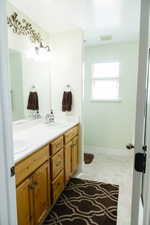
68	149
74	161
41	182
24	203
58	186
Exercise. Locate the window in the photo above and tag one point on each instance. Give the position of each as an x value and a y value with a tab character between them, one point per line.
105	81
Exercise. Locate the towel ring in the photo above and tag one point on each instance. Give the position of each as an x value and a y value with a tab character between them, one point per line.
68	87
33	88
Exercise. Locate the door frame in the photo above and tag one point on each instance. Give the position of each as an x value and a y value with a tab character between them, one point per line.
140	111
7	183
146	208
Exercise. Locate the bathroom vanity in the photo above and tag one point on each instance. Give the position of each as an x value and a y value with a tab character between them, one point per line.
46	154
42	173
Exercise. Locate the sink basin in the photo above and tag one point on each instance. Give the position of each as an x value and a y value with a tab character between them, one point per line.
27	131
36	124
26	124
58	124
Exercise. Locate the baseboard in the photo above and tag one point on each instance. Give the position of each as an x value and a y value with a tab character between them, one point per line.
110	151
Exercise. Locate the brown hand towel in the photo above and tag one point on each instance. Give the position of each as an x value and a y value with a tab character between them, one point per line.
33	103
67	101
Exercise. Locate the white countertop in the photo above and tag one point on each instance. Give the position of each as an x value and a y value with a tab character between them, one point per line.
29	136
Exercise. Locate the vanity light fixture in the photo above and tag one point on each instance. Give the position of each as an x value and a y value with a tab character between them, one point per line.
38	54
22	27
41	47
37	50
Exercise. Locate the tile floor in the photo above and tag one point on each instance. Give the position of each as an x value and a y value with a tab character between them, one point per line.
116	170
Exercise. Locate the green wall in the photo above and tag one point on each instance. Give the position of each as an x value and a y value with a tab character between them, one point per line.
111	124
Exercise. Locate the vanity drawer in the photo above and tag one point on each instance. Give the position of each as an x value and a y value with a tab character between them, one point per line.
57	145
71	133
30	164
58	186
57	162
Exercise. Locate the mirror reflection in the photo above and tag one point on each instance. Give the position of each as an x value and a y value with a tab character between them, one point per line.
16	81
26	77
29	67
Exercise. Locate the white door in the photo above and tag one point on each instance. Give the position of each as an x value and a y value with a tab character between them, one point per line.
141	181
7	182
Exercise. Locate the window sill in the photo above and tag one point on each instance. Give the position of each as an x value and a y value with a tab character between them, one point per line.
107	100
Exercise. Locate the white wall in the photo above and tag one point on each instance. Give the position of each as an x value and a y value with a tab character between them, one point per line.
66	64
109	124
66	67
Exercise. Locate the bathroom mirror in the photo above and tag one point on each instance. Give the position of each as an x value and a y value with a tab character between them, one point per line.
27	69
25	73
16	84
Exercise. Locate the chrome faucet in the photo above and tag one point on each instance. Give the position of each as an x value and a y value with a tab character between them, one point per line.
36	115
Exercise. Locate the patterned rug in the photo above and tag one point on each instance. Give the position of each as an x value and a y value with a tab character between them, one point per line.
88	158
85	202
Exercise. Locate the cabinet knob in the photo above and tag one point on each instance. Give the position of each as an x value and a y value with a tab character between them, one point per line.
35	183
31	186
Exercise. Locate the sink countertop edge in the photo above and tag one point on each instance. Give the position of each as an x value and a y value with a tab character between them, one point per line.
18	157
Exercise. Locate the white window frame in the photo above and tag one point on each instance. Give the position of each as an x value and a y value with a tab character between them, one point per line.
93	79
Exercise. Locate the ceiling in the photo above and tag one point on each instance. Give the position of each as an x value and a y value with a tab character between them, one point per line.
119	18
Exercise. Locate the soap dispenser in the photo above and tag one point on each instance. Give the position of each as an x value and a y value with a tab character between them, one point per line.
52	118
49	118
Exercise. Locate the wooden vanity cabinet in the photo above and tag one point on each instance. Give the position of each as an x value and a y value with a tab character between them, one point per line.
40	177
27	166
33	187
24	203
33	197
68	166
56	145
71	133
57	167
57	186
74	154
71	152
57	163
41	192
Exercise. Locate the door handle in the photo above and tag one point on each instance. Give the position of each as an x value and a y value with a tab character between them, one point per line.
144	148
140	162
130	146
12	171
